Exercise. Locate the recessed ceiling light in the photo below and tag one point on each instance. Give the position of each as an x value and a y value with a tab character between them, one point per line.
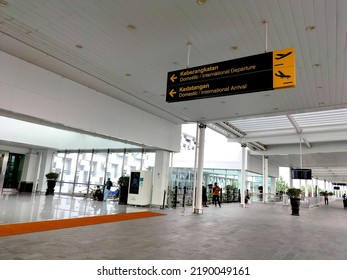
234	48
319	87
316	65
3	3
310	28
79	46
321	103
131	27
223	102
275	108
201	2
128	75
185	108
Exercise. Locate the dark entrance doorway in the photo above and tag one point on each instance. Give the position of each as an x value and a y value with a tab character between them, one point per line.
14	171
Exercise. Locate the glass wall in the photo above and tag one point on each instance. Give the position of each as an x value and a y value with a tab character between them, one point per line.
82	171
182	179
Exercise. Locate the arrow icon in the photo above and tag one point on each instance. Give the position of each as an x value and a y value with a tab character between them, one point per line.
172	93
173	78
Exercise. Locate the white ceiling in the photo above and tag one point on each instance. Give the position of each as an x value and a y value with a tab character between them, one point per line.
132	64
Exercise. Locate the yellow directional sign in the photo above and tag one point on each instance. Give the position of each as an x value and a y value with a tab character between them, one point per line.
261	72
172	93
284	68
173	78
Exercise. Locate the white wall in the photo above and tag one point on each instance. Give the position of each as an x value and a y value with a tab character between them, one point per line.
32	91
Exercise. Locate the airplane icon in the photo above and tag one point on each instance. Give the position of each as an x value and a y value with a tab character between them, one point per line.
282	55
282	75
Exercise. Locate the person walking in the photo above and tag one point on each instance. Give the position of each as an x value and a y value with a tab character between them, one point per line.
215	197
326	198
107	188
204	197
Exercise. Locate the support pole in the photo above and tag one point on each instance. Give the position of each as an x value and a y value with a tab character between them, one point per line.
266	34
243	175
265	178
188	54
195	164
198	199
300	155
123	162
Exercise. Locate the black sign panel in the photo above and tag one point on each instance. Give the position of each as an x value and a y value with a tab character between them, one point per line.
243	75
305	174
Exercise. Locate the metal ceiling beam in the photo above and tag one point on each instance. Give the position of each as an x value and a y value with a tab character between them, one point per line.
220	130
308	145
231	129
294	123
279	139
258	145
298	130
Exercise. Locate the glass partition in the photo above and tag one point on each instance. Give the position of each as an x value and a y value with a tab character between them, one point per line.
83	167
83	171
68	177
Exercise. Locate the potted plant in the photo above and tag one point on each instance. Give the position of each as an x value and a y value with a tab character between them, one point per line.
52	178
229	190
123	183
294	195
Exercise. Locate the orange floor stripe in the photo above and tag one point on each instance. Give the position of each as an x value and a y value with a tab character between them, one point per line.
21	228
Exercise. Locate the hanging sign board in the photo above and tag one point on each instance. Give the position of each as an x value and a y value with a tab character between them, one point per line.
260	72
284	68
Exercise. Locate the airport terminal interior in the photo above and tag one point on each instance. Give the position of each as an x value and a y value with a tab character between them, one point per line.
163	98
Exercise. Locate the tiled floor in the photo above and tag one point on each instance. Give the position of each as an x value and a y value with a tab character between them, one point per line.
257	232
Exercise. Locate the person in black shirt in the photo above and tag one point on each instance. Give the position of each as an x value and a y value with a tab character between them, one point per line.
107	188
204	197
98	194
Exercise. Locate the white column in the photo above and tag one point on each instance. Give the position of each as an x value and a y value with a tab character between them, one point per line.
160	177
45	167
198	197
312	187
29	167
265	178
3	164
243	175
306	189
290	185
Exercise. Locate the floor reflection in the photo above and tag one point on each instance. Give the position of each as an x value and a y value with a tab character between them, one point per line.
17	208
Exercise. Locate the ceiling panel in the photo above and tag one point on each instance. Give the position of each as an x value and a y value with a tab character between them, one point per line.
132	64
